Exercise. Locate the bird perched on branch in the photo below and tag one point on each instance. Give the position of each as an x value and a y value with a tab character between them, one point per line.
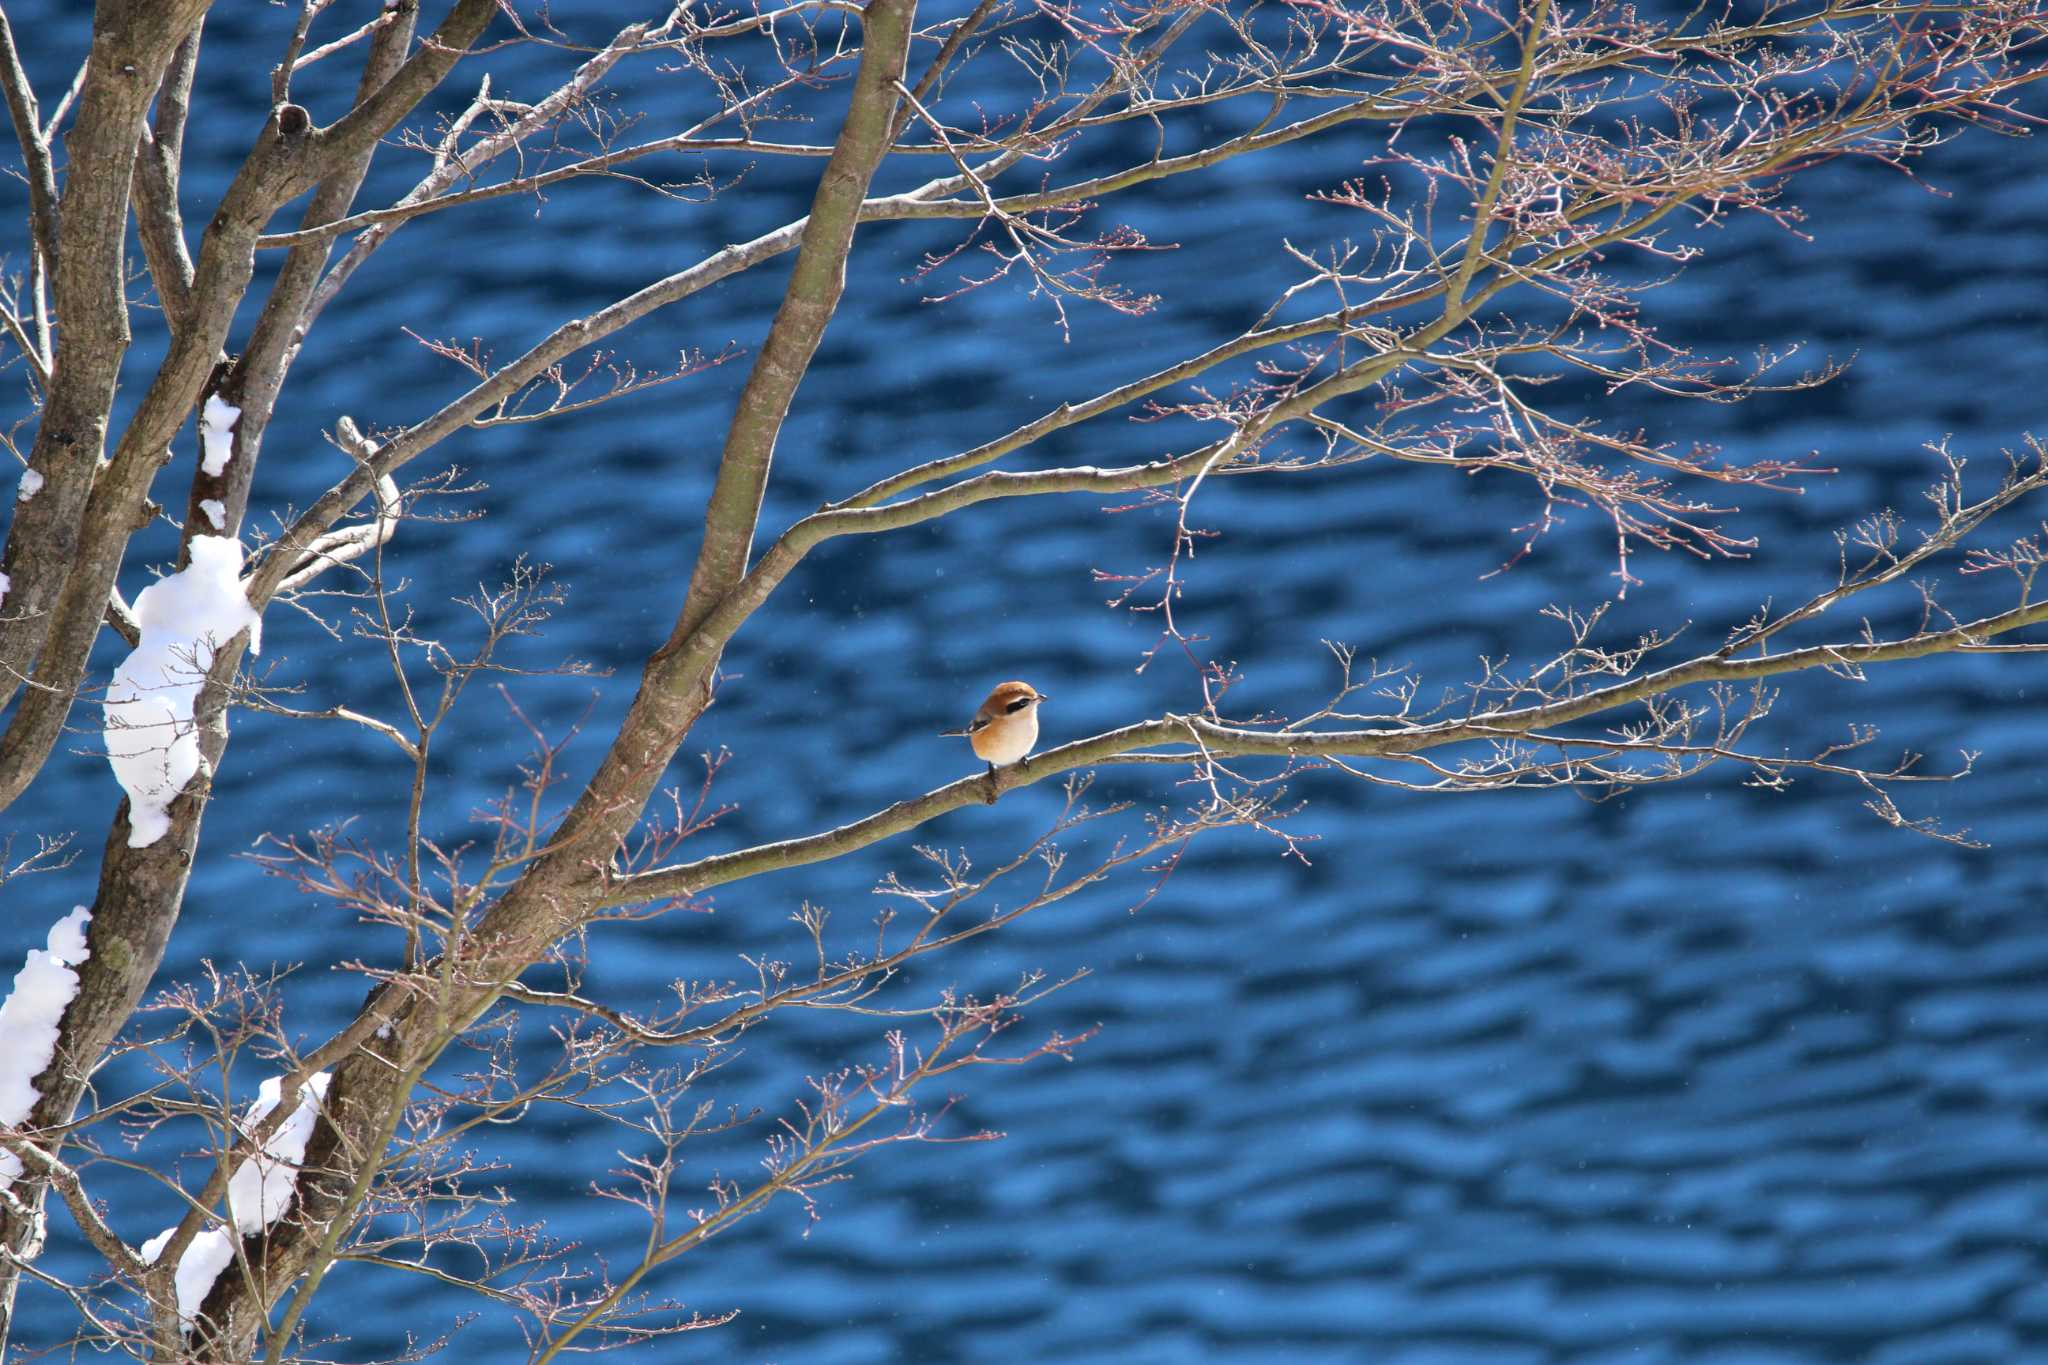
1005	727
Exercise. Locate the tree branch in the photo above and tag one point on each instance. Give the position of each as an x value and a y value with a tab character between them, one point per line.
815	285
282	164
252	384
159	222
1211	739
35	148
44	539
453	163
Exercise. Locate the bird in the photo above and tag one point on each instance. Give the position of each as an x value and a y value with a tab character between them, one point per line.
1005	727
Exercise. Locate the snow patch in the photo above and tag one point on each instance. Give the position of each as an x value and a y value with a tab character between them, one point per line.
216	512
217	434
5	584
261	1189
184	619
259	1192
211	1252
43	988
31	484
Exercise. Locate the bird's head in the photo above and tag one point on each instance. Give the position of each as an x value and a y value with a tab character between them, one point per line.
1012	698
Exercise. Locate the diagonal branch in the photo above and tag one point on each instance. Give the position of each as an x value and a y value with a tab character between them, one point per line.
158	221
816	282
253	381
451	166
35	147
1503	154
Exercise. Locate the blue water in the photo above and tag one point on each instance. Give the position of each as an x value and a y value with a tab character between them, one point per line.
1708	1074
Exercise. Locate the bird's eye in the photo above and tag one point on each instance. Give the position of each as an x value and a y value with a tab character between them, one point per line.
1018	705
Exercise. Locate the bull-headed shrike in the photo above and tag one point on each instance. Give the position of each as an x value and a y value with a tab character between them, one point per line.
1005	727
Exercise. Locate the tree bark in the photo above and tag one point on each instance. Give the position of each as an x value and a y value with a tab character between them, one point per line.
141	890
559	889
289	157
131	47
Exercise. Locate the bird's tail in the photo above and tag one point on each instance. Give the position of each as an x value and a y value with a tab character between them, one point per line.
953	734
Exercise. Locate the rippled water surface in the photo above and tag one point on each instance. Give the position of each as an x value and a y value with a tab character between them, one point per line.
1711	1074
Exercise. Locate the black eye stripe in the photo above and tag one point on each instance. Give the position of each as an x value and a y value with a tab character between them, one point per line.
1018	705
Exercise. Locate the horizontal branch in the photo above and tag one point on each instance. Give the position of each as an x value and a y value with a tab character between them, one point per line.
1400	102
901	206
1125	745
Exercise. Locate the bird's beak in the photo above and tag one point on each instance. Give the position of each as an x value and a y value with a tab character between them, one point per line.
1045	696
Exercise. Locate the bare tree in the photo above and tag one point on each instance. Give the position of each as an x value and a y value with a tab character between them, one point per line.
1529	161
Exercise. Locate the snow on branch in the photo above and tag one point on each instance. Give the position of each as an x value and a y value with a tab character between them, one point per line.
43	989
259	1192
151	738
217	434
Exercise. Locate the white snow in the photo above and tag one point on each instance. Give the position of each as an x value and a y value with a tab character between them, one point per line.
4	586
217	434
259	1192
184	620
211	1252
31	484
28	1023
216	511
261	1189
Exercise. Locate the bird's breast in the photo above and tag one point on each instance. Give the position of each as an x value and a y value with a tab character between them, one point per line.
1007	738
